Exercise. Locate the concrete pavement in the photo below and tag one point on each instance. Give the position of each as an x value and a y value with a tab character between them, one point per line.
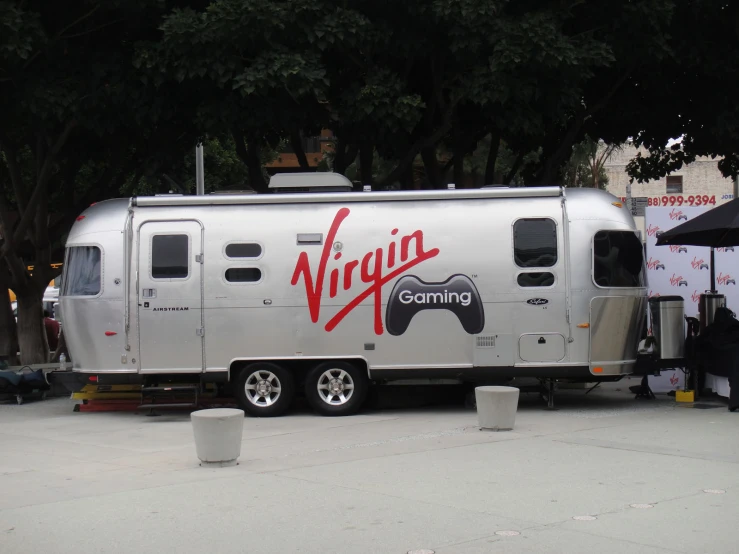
385	481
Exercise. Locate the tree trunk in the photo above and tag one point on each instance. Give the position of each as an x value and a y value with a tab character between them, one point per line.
296	142
594	170
459	170
366	153
514	169
430	162
492	159
34	347
254	166
8	332
61	348
408	181
345	156
339	157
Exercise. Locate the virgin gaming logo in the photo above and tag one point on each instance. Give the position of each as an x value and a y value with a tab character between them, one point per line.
364	276
457	294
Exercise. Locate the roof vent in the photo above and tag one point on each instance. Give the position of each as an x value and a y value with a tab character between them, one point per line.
319	181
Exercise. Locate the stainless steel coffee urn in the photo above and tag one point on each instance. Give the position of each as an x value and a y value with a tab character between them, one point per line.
668	326
708	304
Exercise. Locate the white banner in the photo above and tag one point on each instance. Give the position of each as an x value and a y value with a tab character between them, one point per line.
685	271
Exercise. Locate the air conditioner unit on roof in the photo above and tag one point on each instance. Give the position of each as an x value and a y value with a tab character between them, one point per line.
309	182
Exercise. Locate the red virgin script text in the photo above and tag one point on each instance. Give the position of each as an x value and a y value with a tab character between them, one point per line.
723	279
652	230
371	269
652	264
696	263
696	296
674	248
674	214
674	281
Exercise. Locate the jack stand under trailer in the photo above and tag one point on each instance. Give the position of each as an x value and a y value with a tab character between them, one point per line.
549	393
643	391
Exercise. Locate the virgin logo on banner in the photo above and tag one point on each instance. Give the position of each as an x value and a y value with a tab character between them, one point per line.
685	271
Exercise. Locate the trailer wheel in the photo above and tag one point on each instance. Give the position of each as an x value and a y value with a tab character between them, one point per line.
265	389
336	388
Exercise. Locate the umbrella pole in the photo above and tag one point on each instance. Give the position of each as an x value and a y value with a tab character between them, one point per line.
713	272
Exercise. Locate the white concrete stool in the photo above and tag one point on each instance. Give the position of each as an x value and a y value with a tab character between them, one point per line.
496	407
218	433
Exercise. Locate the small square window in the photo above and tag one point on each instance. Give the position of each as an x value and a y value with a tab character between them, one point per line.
169	257
675	184
535	243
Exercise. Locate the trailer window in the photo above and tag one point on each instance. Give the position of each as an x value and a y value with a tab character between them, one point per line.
243	250
170	256
243	274
535	242
82	271
618	259
544	279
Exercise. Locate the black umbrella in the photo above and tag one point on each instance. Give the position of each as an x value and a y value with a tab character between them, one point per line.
715	228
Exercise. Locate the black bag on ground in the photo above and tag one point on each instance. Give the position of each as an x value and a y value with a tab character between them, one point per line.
718	348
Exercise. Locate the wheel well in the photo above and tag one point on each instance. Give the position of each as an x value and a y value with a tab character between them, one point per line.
298	366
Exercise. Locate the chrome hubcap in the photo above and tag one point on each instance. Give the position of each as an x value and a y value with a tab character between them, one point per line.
262	388
335	387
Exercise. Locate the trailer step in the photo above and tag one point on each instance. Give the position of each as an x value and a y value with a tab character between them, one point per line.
173	388
163	405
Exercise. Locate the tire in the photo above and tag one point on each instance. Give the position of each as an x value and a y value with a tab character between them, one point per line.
350	388
265	401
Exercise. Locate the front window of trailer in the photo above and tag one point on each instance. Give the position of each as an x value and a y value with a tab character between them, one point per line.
618	260
82	271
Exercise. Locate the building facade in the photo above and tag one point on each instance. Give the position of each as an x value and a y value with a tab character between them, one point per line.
696	184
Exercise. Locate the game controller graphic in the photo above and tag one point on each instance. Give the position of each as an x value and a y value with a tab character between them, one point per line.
682	249
729	249
704	266
457	294
659	266
685	217
682	283
730	282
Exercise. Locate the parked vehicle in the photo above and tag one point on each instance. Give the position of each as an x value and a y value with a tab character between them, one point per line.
328	292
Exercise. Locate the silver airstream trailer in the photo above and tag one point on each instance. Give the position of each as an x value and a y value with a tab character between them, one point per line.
323	291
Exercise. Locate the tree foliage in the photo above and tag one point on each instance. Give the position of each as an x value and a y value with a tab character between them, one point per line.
78	119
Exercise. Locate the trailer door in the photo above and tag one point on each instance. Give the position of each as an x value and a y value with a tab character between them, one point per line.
170	297
541	322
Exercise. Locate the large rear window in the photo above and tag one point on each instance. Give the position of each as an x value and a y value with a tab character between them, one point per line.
618	259
82	271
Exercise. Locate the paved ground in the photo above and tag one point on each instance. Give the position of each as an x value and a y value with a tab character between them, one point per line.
386	481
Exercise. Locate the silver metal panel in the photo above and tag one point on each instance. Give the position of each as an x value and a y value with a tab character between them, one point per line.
90	348
542	347
615	326
88	318
170	310
668	328
345	197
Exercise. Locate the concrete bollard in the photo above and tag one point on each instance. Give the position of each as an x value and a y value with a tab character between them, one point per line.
496	407
218	433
